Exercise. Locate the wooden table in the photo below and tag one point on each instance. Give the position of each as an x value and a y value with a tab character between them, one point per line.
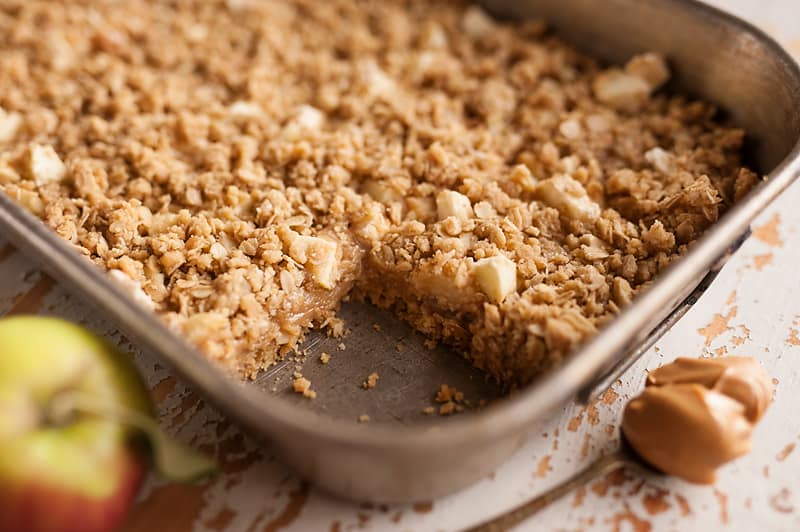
752	309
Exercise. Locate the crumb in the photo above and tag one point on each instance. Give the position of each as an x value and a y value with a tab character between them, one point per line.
431	344
302	385
377	327
341	346
451	400
363	418
400	347
447	408
447	394
334	327
428	410
371	381
324	358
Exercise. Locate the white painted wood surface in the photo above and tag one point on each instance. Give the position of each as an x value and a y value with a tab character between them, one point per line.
753	308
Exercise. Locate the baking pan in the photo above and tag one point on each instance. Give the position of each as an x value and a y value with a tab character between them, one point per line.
402	455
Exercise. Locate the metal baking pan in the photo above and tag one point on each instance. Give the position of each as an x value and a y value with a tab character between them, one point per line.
402	455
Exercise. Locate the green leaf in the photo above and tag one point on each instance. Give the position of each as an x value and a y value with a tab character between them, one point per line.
172	459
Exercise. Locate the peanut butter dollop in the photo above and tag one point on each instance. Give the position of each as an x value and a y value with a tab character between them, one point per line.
697	414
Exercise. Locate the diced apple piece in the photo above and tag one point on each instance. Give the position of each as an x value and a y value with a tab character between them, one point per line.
44	165
660	159
29	199
319	257
382	192
628	89
133	288
378	83
649	67
496	276
309	118
476	23
621	90
564	193
423	208
9	125
452	203
242	109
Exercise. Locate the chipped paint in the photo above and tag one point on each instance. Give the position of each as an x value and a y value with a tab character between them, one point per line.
575	422
768	233
31	302
654	501
718	325
794	339
683	505
543	467
614	479
222	520
637	524
172	506
722	500
290	512
423	507
609	397
741	338
587	439
782	501
580	495
731	298
785	452
163	389
762	261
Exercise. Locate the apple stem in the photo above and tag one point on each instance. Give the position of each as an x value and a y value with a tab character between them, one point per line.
171	459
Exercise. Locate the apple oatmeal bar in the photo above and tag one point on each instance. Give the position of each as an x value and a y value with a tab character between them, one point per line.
244	165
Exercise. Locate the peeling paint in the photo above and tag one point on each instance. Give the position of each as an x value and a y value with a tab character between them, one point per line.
30	302
637	523
722	500
785	452
718	325
423	507
543	467
782	501
794	339
768	233
290	512
654	501
762	261
683	505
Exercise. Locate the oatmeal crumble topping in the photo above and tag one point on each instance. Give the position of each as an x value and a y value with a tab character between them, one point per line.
302	386
241	167
451	401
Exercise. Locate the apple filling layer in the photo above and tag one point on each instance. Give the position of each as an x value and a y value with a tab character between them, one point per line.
241	166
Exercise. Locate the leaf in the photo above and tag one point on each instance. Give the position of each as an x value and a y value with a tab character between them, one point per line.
172	459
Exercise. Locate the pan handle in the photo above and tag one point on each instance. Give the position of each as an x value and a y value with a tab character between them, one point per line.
600	384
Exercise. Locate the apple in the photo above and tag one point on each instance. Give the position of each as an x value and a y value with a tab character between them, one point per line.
66	469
